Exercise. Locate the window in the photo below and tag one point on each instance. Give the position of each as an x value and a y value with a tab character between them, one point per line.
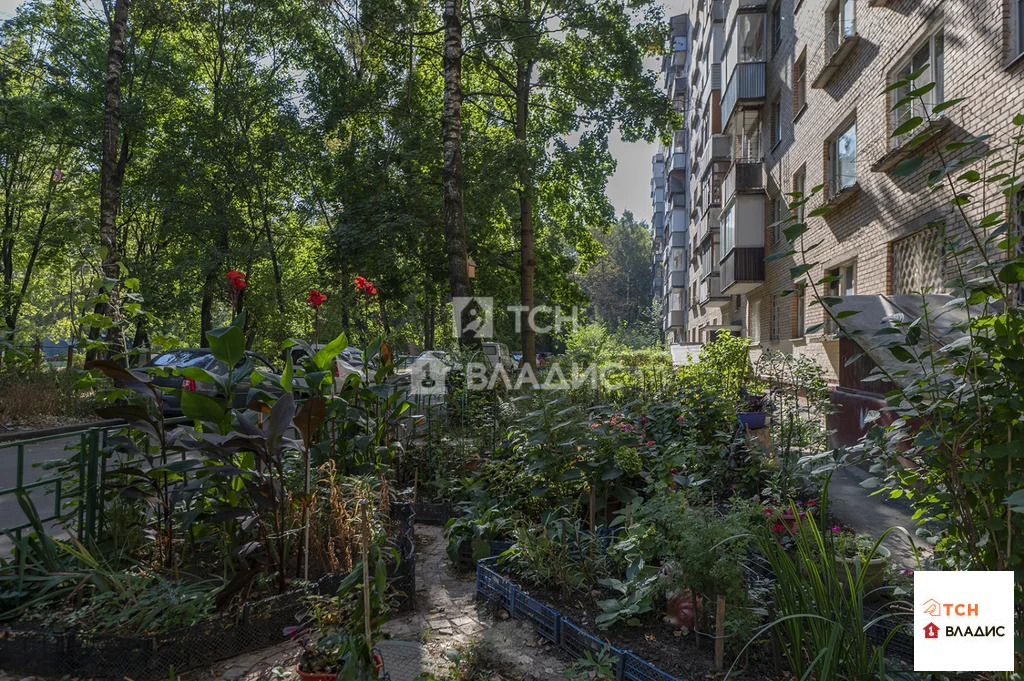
776	121
677	259
799	183
778	215
1016	28
916	263
728	231
800	311
842	156
844	15
676	301
800	84
929	61
841	282
754	322
776	320
776	26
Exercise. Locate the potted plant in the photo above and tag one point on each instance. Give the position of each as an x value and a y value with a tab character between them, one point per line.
337	631
858	552
753	412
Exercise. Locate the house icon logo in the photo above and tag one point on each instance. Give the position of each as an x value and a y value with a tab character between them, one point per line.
932	607
931	630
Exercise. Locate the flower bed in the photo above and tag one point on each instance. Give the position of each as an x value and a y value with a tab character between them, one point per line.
551	625
259	624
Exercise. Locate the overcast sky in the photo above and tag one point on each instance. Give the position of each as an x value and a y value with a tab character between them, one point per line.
628	189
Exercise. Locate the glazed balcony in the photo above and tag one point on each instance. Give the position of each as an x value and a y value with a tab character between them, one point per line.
744	90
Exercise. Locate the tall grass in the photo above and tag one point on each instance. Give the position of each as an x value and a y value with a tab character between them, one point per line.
819	606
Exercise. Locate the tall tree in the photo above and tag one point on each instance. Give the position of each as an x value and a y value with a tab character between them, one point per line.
112	167
562	70
453	178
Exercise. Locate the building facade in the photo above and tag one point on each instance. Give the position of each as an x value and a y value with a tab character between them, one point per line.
788	96
670	195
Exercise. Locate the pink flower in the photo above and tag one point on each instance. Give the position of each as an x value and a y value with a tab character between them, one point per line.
768	511
58	174
649	443
836	529
681	417
908	572
674	471
812	502
778	527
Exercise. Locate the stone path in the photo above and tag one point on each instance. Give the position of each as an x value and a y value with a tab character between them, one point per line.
447	617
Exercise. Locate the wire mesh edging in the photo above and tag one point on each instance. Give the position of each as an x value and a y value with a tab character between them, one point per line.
258	624
550	624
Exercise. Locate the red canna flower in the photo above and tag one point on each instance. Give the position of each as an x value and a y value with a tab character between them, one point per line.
237	280
315	298
371	290
361	283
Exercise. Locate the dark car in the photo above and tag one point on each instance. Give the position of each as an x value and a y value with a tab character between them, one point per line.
202	358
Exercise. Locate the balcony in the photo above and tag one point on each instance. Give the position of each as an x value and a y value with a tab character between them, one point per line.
838	45
708	225
744	177
678	161
719	148
742	270
752	4
745	89
710	292
677	278
676	319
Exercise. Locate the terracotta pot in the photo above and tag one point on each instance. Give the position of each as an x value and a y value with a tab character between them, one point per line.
679	610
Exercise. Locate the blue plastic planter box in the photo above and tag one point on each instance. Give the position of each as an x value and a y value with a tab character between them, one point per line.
554	627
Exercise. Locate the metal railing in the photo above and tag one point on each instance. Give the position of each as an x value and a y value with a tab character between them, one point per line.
837	34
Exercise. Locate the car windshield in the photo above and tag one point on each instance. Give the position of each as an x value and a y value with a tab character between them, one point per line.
490	350
182	358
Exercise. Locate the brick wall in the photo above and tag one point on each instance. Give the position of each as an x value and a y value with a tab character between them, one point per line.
883	209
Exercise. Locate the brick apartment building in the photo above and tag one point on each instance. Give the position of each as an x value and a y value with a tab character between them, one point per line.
785	95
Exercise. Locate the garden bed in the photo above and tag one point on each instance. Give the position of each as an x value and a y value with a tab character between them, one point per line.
258	624
644	653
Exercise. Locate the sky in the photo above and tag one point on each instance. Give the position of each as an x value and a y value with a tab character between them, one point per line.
629	188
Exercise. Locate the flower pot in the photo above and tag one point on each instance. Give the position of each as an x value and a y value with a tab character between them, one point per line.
680	609
753	419
874	570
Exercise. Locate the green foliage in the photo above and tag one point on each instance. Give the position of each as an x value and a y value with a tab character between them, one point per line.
721	370
818	607
559	553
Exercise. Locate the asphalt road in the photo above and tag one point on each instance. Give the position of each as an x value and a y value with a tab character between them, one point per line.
10	512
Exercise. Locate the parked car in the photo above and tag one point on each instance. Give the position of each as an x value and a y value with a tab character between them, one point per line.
202	358
498	353
349	361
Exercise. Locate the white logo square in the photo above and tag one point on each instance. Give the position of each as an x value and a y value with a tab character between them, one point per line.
963	621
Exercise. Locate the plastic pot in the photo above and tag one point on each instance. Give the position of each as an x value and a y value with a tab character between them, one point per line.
753	419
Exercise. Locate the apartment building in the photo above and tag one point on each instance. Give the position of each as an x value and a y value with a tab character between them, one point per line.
788	95
670	196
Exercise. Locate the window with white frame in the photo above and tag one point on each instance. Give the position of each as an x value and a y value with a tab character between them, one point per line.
927	62
840	281
800	311
728	230
754	321
778	215
842	159
776	319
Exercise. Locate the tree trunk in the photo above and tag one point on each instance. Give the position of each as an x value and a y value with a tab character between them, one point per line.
453	179
526	236
111	174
